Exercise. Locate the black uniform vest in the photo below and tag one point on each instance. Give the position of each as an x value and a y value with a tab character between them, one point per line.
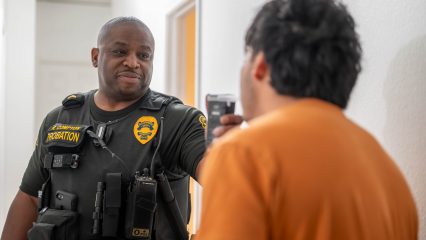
95	162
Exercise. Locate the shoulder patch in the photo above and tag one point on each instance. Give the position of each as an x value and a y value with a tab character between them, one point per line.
145	128
202	121
73	100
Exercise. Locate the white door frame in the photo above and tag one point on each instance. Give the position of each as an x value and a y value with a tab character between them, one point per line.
175	77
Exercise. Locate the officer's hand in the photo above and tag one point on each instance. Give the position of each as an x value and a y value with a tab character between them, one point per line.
227	121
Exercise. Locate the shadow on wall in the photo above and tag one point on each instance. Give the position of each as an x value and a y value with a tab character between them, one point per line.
405	128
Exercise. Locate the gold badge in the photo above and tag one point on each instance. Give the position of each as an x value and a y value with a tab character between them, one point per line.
203	121
145	128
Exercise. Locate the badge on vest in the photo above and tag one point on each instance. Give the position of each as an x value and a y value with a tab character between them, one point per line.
145	128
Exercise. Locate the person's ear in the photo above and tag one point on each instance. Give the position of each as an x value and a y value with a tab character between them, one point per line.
95	54
260	70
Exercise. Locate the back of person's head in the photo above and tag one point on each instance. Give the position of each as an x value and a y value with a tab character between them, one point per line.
311	47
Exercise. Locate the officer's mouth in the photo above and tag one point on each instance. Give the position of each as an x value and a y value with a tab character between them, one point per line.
129	77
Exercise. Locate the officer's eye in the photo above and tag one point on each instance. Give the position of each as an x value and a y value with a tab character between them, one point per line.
119	52
145	56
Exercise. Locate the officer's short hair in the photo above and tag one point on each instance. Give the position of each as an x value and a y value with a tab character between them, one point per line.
311	47
106	28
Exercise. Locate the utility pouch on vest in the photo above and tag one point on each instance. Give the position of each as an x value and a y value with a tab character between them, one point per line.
65	138
53	224
112	204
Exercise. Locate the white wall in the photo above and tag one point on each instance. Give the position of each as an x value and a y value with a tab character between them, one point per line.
66	33
2	109
18	96
222	44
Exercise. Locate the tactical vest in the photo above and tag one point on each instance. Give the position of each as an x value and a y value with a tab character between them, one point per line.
127	138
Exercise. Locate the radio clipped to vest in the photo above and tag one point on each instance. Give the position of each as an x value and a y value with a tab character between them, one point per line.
141	206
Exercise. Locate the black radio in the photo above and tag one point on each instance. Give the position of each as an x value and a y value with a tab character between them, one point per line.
140	207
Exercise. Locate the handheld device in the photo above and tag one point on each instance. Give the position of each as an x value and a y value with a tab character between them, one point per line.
218	105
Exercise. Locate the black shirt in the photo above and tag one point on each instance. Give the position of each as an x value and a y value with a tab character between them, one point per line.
108	116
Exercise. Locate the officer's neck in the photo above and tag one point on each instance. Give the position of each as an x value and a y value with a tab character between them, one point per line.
106	103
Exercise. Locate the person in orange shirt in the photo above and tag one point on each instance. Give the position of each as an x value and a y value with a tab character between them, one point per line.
302	170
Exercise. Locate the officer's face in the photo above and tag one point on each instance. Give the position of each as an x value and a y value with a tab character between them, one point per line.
124	60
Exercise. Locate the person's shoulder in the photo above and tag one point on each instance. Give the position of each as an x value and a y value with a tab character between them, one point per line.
178	110
174	104
155	101
71	101
76	100
163	98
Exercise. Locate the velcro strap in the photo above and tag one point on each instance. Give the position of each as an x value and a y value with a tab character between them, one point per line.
112	204
61	160
47	161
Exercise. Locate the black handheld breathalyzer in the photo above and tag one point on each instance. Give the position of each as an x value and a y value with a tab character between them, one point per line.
218	105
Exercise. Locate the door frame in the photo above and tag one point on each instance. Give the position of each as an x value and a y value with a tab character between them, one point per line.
175	80
174	40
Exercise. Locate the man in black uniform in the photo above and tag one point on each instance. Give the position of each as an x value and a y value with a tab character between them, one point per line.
133	122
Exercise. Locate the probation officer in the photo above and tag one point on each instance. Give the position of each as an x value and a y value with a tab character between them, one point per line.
129	118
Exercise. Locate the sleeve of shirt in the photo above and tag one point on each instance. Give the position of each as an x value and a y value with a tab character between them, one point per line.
186	144
35	175
193	141
234	203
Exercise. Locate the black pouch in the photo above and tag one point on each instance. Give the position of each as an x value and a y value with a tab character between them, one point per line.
65	138
53	224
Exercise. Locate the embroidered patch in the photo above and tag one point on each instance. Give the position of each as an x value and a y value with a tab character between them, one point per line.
203	121
65	133
145	128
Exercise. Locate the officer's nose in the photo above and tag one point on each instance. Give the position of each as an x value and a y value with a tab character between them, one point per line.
131	61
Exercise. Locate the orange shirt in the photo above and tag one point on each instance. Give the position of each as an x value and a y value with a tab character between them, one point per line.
304	172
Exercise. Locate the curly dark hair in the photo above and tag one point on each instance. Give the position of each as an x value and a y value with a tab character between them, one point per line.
311	47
